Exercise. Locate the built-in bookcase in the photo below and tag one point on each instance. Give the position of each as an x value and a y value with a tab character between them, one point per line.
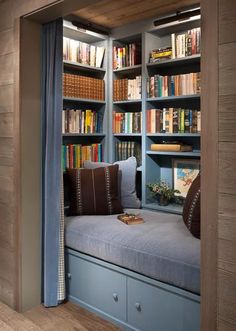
85	100
158	165
125	112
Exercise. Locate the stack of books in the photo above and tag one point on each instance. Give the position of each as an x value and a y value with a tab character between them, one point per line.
73	156
171	147
160	54
125	149
126	56
173	120
77	86
77	51
127	122
127	89
81	121
164	86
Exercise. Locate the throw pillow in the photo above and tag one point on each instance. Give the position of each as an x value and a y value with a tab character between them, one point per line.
127	185
94	191
191	210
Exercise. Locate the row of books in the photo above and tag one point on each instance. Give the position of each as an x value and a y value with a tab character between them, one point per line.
173	120
127	89
186	44
77	86
78	51
126	149
127	122
81	121
164	86
74	155
126	56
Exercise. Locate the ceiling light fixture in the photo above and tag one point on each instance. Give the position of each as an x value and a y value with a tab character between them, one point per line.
178	16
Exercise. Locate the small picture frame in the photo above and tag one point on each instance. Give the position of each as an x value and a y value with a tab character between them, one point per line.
184	173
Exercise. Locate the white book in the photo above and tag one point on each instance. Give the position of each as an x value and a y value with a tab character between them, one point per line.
92	55
100	50
173	45
65	48
73	46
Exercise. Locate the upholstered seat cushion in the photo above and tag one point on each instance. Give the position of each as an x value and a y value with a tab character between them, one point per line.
161	248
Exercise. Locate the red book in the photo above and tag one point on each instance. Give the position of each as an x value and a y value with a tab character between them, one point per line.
71	156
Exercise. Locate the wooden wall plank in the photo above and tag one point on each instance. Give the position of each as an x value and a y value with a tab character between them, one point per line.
6	97
226	257
7	292
227	217
6	151
227	169
227	295
227	126
6	69
226	326
7	14
227	69
6	42
209	164
227	21
6	125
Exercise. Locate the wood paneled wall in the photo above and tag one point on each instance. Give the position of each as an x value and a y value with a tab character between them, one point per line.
220	232
226	268
10	256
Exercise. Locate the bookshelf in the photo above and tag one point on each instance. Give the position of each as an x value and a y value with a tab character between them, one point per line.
126	102
85	115
157	165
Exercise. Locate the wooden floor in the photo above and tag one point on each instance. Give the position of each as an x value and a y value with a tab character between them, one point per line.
66	317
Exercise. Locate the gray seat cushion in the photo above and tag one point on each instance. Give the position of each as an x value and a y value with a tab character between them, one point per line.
161	248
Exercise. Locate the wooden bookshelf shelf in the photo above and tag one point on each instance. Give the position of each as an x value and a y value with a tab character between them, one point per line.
83	134
188	60
127	70
193	135
127	134
175	98
124	102
84	100
192	154
83	67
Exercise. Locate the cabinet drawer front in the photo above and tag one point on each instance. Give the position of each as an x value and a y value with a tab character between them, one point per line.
155	309
97	286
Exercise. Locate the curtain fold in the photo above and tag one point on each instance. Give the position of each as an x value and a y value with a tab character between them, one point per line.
52	199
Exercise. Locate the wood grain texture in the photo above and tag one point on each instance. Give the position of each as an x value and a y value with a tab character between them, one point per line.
209	164
68	317
227	169
6	125
227	21
6	42
6	97
6	69
227	125
226	326
227	217
112	14
226	257
227	69
6	153
16	321
227	295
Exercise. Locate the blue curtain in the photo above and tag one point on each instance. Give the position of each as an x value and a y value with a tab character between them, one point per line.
51	150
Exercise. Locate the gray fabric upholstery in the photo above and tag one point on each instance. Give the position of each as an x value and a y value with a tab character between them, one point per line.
128	169
161	248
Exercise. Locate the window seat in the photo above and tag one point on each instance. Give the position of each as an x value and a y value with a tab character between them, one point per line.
161	248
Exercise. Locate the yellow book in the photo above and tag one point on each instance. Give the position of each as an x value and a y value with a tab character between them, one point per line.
171	148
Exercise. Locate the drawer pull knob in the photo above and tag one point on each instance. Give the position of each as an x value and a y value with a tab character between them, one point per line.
138	306
115	296
69	275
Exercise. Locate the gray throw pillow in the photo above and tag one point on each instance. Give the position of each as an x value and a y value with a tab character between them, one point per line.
128	169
